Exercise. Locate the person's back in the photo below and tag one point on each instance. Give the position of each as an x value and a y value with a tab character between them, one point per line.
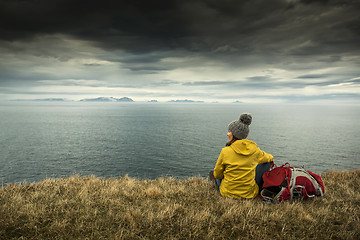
241	163
236	165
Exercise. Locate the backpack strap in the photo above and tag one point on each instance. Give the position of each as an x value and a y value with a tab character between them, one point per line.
292	183
277	197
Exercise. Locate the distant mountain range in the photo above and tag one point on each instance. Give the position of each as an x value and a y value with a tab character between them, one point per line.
112	99
99	99
107	99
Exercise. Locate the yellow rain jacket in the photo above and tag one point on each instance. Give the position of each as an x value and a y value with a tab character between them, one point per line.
236	167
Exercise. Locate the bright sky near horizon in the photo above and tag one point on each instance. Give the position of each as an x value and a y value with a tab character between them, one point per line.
305	51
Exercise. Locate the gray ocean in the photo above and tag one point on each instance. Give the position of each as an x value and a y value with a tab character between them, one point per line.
41	140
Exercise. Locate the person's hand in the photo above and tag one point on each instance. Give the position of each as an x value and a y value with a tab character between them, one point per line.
272	164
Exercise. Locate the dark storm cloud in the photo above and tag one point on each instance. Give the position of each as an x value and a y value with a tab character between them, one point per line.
313	76
209	83
179	48
355	81
265	82
194	25
16	76
301	98
165	82
39	93
241	84
250	82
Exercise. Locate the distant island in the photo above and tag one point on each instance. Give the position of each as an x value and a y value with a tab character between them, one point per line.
107	99
154	101
185	101
237	101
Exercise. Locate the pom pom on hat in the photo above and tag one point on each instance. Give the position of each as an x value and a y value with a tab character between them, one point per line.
246	118
240	128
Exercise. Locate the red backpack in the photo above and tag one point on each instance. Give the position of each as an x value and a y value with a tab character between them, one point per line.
286	183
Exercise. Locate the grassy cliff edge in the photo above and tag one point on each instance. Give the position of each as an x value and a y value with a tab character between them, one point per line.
166	208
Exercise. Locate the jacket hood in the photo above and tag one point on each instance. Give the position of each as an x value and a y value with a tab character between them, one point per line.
244	147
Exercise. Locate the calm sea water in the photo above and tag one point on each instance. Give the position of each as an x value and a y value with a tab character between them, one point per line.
148	140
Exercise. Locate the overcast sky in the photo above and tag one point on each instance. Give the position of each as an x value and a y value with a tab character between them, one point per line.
211	50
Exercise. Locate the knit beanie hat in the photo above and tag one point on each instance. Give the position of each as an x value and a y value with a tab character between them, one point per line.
240	128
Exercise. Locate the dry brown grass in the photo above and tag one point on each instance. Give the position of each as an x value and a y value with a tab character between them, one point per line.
166	208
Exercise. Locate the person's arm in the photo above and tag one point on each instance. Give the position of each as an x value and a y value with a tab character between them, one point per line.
219	167
265	157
